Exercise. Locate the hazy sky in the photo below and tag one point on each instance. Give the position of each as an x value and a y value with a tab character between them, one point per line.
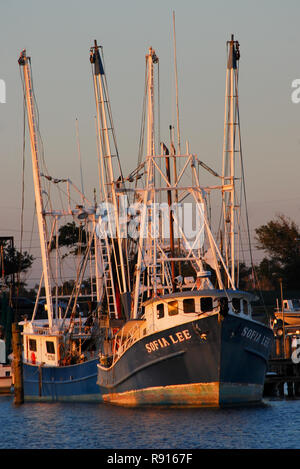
58	34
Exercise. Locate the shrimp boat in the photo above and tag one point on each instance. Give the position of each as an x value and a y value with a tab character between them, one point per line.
188	337
60	352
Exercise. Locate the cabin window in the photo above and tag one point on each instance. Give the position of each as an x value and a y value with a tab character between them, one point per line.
50	347
245	307
32	345
160	311
189	305
236	304
206	304
172	308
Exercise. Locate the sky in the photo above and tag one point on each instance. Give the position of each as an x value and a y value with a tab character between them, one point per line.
58	35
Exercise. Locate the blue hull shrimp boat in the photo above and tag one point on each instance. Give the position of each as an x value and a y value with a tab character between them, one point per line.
60	352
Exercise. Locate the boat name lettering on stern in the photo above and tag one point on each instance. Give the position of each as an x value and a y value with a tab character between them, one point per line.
175	338
257	337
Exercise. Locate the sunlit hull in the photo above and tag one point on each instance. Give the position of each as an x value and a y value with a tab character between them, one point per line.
206	363
292	319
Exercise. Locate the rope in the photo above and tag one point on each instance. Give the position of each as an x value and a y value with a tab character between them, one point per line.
23	182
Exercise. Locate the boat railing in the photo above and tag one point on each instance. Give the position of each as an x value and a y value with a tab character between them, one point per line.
120	346
42	330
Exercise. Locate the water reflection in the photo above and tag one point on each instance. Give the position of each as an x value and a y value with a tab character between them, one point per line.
102	426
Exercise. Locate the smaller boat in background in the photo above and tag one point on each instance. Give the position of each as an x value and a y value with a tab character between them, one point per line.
289	313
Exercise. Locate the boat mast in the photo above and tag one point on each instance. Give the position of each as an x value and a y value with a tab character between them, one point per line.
231	126
24	62
107	140
149	196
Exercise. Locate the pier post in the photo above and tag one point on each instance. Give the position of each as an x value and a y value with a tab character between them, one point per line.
290	386
17	365
288	347
277	347
297	388
281	389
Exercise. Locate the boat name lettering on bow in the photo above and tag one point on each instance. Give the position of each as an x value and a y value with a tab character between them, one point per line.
179	336
257	337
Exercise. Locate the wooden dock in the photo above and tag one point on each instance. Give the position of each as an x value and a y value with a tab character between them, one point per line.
284	365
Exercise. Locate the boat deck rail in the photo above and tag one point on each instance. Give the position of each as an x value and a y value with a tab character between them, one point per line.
42	330
123	342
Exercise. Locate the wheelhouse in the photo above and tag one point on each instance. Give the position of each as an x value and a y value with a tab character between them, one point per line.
169	310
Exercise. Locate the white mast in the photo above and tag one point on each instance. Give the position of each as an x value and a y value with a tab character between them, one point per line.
229	156
151	59
24	61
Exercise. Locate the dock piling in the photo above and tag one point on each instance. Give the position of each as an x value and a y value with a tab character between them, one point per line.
17	365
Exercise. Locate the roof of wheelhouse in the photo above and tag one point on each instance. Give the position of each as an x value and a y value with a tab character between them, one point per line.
203	293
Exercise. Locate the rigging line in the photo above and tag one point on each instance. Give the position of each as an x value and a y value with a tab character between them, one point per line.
101	195
142	130
106	94
25	274
38	122
23	179
158	105
255	277
245	195
176	84
79	155
158	124
77	285
98	137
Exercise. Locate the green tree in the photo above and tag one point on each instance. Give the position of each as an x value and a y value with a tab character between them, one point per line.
72	237
280	239
13	261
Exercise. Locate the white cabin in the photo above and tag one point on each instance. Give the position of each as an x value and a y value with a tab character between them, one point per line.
42	345
291	305
179	308
38	346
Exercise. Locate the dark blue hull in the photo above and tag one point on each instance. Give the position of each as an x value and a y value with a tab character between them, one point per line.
206	362
64	383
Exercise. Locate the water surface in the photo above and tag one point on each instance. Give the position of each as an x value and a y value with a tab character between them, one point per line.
273	425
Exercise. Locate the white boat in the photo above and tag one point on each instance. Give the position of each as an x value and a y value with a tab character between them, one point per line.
289	314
